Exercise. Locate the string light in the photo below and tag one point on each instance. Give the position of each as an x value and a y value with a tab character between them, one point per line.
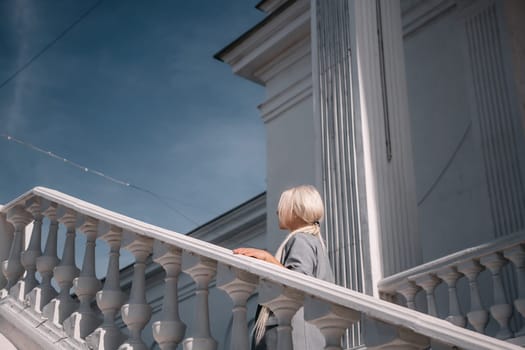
98	173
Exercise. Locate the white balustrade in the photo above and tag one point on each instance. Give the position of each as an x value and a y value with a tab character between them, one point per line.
383	336
290	296
284	303
169	331
201	270
478	317
110	299
85	320
429	282
41	295
33	251
64	273
470	264
516	254
451	275
409	290
12	268
501	310
332	320
6	237
239	285
137	313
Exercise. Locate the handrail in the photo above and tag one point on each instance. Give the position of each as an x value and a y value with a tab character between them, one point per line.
368	306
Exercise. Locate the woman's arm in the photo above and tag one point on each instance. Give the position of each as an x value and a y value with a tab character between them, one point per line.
257	254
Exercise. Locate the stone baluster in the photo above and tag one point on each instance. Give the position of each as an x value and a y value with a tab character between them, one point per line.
201	270
137	313
516	254
108	336
34	250
170	330
332	320
409	290
501	310
6	237
45	264
85	320
429	282
451	275
65	272
12	268
478	317
239	285
284	303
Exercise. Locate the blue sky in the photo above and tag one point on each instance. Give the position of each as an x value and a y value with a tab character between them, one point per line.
133	91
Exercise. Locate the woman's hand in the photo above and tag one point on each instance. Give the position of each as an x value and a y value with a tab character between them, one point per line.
257	254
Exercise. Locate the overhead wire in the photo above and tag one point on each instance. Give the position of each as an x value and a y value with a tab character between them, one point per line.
31	60
99	173
50	44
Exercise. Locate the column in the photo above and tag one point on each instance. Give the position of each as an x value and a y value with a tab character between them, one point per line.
360	100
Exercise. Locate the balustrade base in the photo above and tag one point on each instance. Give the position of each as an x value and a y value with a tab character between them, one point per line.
57	311
519	340
105	339
4	293
199	344
79	326
35	331
38	298
18	291
478	319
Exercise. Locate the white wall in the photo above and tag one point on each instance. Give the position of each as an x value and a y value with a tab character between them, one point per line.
456	213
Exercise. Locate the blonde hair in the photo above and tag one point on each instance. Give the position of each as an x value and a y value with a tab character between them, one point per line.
300	209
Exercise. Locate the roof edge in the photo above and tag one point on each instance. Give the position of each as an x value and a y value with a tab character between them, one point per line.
246	35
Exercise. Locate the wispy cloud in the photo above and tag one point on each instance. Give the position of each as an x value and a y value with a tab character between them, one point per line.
22	16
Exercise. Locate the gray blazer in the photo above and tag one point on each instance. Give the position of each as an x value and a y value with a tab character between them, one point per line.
302	253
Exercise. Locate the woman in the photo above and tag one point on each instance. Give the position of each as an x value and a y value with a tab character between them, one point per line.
300	210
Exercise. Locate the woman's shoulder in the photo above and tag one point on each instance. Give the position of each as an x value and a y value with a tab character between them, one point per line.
303	238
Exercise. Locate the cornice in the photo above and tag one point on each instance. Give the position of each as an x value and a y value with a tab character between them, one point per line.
260	45
287	99
285	60
236	222
418	13
270	6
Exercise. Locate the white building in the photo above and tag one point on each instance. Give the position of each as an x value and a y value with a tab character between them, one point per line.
409	117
